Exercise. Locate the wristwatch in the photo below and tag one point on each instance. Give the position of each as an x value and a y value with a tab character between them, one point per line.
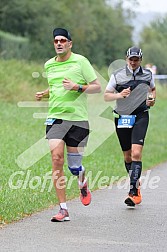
80	88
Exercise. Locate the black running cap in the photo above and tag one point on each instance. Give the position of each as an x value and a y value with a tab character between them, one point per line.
61	32
134	52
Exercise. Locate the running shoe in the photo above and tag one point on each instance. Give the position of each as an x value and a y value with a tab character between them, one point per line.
132	199
85	195
61	216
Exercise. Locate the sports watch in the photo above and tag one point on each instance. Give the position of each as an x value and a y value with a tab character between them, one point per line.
80	88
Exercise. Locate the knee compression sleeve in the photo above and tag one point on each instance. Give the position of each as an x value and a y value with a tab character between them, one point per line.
75	163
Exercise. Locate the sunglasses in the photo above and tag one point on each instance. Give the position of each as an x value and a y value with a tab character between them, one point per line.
62	41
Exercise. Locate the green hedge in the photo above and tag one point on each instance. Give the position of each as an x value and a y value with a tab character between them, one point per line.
13	47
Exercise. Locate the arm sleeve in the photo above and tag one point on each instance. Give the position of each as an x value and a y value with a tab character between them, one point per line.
152	82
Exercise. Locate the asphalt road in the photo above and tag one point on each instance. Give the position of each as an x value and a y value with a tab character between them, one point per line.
105	225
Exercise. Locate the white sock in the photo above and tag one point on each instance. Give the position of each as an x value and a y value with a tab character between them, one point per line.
63	205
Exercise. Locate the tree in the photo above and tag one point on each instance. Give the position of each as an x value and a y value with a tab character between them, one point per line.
99	31
153	43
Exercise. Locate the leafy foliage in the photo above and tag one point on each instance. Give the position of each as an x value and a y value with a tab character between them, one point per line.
20	49
153	42
99	31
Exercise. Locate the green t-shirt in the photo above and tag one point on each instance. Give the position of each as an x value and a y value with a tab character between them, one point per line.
68	104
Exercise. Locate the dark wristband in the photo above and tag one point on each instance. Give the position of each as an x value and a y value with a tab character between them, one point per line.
80	88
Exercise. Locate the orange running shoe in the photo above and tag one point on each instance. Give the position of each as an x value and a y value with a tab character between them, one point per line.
61	216
133	200
85	195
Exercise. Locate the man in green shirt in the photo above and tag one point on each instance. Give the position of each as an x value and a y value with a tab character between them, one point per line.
71	77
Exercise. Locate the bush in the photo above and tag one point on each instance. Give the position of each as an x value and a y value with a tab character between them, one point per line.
12	46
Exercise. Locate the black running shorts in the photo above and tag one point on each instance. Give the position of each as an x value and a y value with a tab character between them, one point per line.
135	135
73	133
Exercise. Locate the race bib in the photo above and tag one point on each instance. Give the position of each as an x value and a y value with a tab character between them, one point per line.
126	121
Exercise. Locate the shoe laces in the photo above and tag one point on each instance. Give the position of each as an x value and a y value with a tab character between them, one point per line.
62	211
